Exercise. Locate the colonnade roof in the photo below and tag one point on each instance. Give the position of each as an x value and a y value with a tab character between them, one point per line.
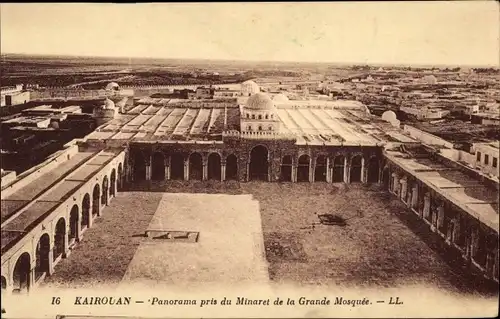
464	191
26	205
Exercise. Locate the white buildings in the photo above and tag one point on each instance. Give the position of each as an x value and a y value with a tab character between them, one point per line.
487	155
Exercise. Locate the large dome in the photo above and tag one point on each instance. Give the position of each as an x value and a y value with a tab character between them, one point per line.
260	101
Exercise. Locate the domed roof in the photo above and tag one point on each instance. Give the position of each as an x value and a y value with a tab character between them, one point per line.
259	101
112	86
108	104
280	98
250	87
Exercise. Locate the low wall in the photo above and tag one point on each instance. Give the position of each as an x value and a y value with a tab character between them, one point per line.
426	137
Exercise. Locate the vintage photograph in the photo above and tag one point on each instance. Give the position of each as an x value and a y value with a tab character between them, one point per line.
171	160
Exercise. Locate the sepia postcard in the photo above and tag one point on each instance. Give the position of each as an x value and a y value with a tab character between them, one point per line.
250	160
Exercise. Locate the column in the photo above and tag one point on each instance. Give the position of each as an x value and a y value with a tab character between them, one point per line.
312	169
91	216
346	170
403	182
294	172
167	168
66	243
363	173
427	206
79	226
205	171
223	171
148	171
50	271
248	170
328	171
32	278
186	170
440	216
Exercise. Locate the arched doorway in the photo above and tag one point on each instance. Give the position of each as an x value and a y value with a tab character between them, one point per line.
104	193
386	178
73	224
60	238
355	173
120	178
139	167
42	256
214	170
112	187
195	167
286	169
320	170
231	167
158	167
85	211
21	273
303	168
177	166
96	203
259	166
338	169
373	170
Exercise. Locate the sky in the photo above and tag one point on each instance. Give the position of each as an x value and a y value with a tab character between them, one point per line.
432	33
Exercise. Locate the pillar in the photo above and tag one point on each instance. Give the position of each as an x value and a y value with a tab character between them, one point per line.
312	169
205	171
32	277
91	216
248	170
50	271
427	206
167	168
346	170
79	226
328	171
223	171
186	170
148	171
363	168
440	216
404	188
294	172
66	243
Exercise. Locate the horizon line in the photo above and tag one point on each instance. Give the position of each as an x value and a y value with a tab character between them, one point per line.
352	63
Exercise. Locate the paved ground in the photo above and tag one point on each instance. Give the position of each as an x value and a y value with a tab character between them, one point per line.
375	249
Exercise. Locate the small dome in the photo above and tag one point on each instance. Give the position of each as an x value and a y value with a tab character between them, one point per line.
259	101
280	98
112	86
250	87
108	104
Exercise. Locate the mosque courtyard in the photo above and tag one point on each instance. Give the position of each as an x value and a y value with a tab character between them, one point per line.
256	232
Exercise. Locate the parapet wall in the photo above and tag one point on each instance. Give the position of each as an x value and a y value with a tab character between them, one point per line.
426	137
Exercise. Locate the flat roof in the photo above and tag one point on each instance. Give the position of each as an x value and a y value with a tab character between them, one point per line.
464	191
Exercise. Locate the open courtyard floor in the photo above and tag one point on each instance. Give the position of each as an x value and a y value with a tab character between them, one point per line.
379	246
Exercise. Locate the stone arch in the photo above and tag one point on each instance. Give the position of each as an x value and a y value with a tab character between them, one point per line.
259	163
232	167
355	169
303	168
321	169
42	256
104	193
338	169
85	211
195	166
22	273
286	168
96	202
112	187
59	238
158	167
73	224
139	166
177	166
119	184
214	168
373	171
